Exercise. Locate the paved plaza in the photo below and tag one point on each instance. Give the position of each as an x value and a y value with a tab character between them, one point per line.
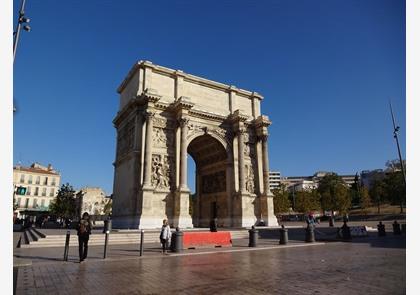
368	265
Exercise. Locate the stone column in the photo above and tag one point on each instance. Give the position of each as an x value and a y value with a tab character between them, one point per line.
148	149
241	162
183	169
266	168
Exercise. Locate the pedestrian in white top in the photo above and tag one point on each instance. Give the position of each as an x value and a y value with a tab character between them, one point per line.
165	236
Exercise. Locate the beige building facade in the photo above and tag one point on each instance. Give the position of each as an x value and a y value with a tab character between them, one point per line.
163	116
42	184
91	200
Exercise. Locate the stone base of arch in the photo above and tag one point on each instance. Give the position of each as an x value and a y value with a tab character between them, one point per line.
267	210
182	217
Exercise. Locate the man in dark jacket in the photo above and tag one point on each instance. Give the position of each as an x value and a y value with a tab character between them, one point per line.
83	231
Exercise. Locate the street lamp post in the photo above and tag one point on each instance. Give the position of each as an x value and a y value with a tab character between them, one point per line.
396	129
22	21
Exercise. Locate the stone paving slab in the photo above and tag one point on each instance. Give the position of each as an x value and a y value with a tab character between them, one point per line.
365	266
56	255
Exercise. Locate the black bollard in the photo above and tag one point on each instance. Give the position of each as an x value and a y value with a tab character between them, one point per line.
177	241
253	237
310	234
345	231
106	242
66	246
381	229
403	228
141	242
331	220
396	228
284	238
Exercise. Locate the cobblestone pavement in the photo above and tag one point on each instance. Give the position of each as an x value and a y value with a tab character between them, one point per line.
366	266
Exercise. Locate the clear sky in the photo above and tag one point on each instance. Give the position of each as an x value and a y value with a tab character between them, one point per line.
326	70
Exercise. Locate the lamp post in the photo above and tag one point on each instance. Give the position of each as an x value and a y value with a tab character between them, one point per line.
396	129
22	21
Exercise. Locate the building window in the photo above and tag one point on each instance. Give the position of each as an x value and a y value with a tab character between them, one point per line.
28	191
30	179
42	203
18	202
46	181
35	204
22	178
52	193
38	180
36	191
53	181
26	202
44	191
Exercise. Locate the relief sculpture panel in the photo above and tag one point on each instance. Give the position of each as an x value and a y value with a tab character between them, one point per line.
161	171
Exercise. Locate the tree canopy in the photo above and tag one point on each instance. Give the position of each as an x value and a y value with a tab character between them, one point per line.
281	199
307	200
334	193
64	204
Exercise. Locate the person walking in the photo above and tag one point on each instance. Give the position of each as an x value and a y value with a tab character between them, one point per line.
165	235
83	231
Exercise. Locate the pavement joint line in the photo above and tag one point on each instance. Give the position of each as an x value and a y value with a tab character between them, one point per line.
110	259
250	249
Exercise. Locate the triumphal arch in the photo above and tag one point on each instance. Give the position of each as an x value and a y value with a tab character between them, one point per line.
163	116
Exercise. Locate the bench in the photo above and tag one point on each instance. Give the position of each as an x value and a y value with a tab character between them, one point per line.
193	240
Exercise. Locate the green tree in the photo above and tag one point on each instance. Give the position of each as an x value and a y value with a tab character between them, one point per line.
377	192
108	207
281	199
307	200
365	201
395	189
335	195
355	191
64	204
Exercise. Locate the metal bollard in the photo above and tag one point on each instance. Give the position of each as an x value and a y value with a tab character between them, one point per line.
331	221
106	242
253	237
396	228
66	246
381	229
345	231
310	234
284	238
141	242
177	241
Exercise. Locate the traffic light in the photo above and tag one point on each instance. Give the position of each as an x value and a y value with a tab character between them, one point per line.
21	190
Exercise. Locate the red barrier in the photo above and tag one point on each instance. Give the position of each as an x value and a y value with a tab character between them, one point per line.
207	239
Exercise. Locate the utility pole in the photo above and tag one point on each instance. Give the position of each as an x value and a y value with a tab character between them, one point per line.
396	129
22	20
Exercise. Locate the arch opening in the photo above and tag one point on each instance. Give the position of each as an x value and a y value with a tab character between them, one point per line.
210	197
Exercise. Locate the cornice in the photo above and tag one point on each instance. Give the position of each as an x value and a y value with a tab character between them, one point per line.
187	77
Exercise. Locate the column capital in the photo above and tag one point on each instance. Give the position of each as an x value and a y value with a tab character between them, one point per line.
183	121
149	114
241	130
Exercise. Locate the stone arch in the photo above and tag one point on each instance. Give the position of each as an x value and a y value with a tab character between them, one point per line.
212	197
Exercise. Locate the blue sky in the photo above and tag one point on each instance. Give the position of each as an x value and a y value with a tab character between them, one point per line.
326	69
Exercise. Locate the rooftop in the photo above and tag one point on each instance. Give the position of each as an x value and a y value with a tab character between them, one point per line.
37	168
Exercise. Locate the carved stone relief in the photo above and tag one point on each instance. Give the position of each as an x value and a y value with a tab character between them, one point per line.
249	180
161	172
163	137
